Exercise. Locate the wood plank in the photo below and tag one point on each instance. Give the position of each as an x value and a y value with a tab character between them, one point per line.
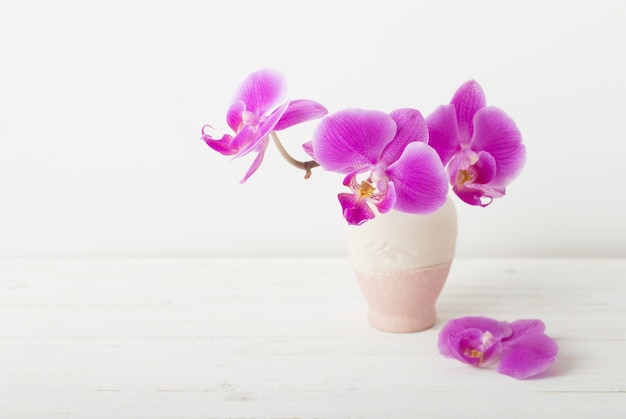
203	338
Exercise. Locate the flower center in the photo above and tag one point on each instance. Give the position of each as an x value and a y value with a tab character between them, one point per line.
366	190
476	354
477	351
464	176
249	119
469	174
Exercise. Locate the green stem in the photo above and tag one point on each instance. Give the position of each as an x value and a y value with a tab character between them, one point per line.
304	165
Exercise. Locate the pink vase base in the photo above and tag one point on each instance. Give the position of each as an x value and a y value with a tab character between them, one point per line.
403	301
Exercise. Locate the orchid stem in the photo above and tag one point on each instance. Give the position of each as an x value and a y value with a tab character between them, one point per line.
304	165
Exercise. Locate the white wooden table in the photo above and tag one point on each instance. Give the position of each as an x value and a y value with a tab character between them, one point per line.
220	338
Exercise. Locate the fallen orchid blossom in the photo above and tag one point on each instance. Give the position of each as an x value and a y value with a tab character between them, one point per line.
521	349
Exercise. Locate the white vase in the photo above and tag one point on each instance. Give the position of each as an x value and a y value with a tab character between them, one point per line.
401	262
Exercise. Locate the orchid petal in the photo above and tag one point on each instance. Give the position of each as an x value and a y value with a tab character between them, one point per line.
222	145
245	139
456	164
443	132
419	179
264	129
262	91
257	161
485	168
528	351
388	200
496	133
454	327
467	100
355	210
526	327
352	138
476	347
233	115
299	111
270	122
350	180
308	149
411	126
473	195
528	355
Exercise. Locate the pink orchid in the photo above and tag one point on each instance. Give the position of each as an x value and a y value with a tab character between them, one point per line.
401	171
480	145
521	348
260	107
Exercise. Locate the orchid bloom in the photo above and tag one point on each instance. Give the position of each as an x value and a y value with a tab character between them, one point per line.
386	159
480	145
260	107
521	348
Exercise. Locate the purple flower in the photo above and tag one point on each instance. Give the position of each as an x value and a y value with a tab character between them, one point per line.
260	107
480	145
521	348
386	159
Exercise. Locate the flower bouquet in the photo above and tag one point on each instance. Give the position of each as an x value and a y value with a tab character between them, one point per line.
400	163
398	160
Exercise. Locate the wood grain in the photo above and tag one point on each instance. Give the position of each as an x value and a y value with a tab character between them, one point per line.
273	338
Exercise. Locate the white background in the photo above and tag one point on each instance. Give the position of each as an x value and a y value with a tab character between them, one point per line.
101	105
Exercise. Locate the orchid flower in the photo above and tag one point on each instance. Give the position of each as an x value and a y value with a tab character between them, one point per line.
480	145
521	348
259	108
386	160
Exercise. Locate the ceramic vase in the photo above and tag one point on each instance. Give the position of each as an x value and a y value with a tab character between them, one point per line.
401	262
